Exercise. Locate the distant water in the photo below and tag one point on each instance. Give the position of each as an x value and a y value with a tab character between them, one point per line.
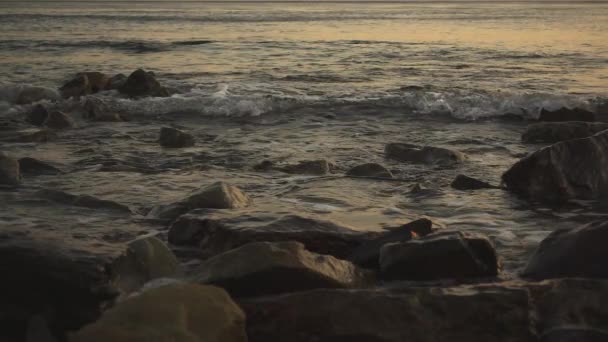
468	59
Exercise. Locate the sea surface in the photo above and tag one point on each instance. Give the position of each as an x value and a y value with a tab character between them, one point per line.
292	81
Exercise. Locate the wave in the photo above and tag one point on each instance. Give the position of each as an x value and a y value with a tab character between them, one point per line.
137	46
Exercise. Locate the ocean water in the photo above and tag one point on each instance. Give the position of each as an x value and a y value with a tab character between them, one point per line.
290	82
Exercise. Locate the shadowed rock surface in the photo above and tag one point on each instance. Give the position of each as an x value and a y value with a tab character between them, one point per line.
566	114
86	201
309	167
174	138
141	83
76	87
31	166
422	155
9	170
370	170
462	182
552	132
263	268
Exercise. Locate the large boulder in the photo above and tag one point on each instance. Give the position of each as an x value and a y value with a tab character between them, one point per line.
141	83
570	169
263	268
176	312
552	132
423	155
410	314
309	167
69	281
217	232
76	87
450	254
370	170
463	182
9	170
174	138
566	114
577	252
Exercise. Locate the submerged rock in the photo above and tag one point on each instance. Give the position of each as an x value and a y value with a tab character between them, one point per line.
177	312
9	170
29	95
217	232
76	87
309	167
571	253
81	200
438	256
31	166
566	114
410	314
97	110
552	132
174	138
370	170
422	155
141	83
569	169
263	268
462	182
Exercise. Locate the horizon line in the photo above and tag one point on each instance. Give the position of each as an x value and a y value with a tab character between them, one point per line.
307	1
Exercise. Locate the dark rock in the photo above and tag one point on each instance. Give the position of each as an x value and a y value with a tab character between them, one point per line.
98	81
264	165
77	87
29	135
97	110
174	138
438	256
412	314
31	166
571	253
462	182
552	132
370	170
116	82
569	169
217	232
58	120
422	155
34	94
85	201
309	167
175	312
263	268
141	83
38	115
368	254
574	334
566	114
9	170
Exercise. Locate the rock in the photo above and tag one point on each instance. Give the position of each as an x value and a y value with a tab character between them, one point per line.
462	182
30	135
38	115
574	334
174	138
97	110
263	268
443	255
218	195
423	155
569	169
98	81
58	120
264	165
177	312
85	201
370	170
368	254
309	167
552	132
116	82
411	314
9	170
77	87
29	95
217	232
141	83
571	253
566	114
31	166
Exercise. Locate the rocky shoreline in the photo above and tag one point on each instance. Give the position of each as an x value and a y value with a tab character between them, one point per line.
214	265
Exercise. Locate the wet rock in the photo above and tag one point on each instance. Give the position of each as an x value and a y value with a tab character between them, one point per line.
462	182
263	268
217	232
85	201
368	254
569	169
76	87
552	132
31	166
309	167
9	170
34	94
411	314
116	82
571	253
423	155
218	195
265	165
370	170
566	114
177	312
98	81
38	115
97	110
439	256
574	334
141	83
58	120
29	135
174	138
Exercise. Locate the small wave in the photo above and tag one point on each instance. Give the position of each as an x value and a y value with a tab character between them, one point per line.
137	46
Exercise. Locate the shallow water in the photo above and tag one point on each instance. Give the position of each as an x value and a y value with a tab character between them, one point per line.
294	82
